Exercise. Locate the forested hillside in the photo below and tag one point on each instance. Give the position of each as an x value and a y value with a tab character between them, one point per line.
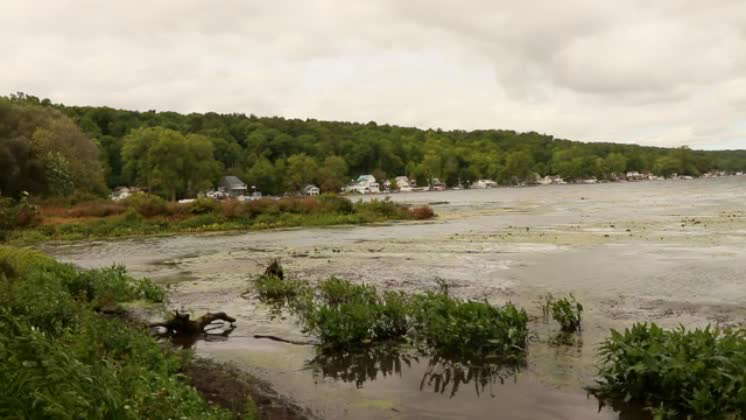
177	155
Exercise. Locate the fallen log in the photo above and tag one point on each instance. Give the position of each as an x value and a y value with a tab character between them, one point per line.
181	324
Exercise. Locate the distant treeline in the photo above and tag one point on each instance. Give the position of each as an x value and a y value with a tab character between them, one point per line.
46	149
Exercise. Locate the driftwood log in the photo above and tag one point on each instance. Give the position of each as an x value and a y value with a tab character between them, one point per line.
181	324
275	269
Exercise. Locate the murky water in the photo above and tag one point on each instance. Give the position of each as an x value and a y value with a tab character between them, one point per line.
670	252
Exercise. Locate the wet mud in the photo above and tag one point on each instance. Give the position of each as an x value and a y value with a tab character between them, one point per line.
670	252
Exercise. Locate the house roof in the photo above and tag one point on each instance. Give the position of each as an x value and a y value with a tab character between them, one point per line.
310	186
232	182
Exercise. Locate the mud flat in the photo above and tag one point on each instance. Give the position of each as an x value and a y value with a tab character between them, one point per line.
670	252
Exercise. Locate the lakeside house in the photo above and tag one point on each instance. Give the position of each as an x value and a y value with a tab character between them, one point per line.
233	186
364	184
635	176
121	193
551	180
437	185
404	184
311	190
484	183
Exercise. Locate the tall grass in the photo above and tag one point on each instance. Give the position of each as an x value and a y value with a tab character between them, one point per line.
145	214
59	358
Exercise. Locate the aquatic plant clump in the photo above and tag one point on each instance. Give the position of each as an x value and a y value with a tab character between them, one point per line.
699	373
465	328
345	315
274	289
567	312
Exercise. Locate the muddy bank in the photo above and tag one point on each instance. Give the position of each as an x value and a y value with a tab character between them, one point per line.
669	252
239	392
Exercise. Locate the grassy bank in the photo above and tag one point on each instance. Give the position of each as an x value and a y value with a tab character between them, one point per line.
61	358
144	214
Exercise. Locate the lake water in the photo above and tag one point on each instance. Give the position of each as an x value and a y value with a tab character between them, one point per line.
672	252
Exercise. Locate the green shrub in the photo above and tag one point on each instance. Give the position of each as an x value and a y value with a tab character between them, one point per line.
566	311
18	214
333	203
60	359
465	328
148	205
383	209
347	315
273	289
699	373
204	205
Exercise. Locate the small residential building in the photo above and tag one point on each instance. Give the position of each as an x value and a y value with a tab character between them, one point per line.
311	190
437	185
121	193
404	184
233	186
635	176
364	184
484	183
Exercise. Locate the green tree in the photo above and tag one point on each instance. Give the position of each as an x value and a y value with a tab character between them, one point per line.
301	171
333	174
517	168
263	176
616	163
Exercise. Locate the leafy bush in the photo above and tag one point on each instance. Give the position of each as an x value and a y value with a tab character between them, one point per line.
348	315
59	359
148	205
18	214
203	205
273	289
383	209
335	204
458	327
566	311
345	315
422	213
699	373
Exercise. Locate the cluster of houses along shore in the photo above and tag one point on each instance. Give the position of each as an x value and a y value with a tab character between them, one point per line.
233	187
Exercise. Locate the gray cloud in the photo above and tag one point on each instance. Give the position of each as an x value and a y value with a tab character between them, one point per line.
662	73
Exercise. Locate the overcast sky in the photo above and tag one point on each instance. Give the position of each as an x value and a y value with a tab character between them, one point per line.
669	74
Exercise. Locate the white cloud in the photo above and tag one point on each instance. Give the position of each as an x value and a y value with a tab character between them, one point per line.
666	73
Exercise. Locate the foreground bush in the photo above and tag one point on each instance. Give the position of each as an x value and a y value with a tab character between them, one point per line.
699	373
464	328
60	359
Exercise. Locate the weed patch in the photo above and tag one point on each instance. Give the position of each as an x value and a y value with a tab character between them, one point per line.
699	373
567	311
61	359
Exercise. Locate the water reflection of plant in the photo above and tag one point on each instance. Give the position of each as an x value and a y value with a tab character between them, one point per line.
442	374
446	374
363	365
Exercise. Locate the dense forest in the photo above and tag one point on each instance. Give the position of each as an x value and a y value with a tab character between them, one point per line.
53	149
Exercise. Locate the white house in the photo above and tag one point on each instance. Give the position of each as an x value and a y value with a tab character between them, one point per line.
484	183
311	190
365	184
404	184
635	176
233	186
